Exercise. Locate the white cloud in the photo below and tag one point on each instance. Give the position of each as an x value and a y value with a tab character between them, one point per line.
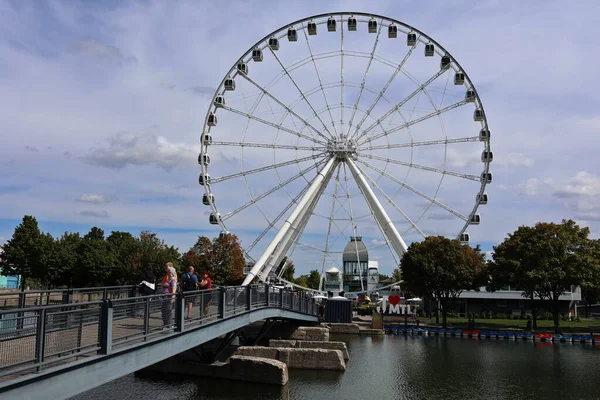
141	149
513	160
94	198
583	184
377	242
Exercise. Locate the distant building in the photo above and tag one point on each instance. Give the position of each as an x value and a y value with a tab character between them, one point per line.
355	264
332	281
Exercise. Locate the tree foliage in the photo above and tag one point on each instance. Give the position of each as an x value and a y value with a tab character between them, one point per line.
222	258
545	260
23	253
441	268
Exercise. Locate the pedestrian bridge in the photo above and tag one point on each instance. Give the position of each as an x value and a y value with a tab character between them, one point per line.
58	351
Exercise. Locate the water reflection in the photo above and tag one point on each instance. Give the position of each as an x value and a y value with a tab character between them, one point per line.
398	367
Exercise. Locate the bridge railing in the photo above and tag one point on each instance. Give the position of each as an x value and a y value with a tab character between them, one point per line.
35	338
37	298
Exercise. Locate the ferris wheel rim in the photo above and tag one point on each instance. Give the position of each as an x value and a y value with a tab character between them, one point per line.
279	33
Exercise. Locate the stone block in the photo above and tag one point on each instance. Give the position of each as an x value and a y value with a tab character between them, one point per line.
311	333
313	359
255	369
341	346
282	343
343	328
257	351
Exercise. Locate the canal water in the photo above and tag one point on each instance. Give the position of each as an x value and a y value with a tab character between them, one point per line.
398	367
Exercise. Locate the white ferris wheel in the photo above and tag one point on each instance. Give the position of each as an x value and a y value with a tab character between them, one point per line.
342	125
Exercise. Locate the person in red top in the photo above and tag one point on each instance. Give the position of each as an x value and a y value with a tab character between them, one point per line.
206	284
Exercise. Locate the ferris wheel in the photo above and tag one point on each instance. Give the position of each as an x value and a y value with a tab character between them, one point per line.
340	126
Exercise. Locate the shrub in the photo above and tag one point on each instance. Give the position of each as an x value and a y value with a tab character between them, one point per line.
547	316
501	316
488	315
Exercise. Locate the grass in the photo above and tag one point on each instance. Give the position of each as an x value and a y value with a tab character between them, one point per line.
581	326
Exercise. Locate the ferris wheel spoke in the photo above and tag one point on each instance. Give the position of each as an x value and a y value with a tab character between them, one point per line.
266	145
272	190
389	199
320	81
387	85
301	93
268	167
415	190
414	121
423	167
354	226
288	109
274	125
364	79
335	192
400	104
417	144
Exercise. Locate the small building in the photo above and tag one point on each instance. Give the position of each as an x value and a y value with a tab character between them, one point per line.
332	281
355	261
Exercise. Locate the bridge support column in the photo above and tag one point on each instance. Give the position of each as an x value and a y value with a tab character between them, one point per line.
179	312
106	322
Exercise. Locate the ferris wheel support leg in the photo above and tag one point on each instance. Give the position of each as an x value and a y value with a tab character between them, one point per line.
314	188
382	218
296	229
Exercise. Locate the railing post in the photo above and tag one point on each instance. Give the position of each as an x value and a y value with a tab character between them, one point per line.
40	339
133	291
106	320
179	312
105	294
248	297
222	301
281	298
268	294
20	316
147	316
67	296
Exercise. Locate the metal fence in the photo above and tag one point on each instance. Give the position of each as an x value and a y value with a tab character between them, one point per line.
37	298
34	338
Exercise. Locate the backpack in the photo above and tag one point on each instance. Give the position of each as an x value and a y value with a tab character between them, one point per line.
188	282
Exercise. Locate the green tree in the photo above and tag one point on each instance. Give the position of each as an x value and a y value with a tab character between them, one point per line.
22	254
302	280
156	253
94	260
314	279
442	268
545	260
125	249
383	277
397	275
290	270
228	260
590	289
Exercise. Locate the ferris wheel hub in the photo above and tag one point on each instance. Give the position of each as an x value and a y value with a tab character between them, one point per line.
342	147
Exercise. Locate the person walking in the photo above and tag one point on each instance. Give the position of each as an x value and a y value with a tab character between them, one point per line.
168	287
189	283
206	284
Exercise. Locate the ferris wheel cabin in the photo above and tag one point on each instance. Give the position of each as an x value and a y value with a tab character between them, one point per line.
242	68
482	198
470	96
204	179
484	135
223	234
393	31
274	43
372	25
486	177
459	78
212	120
312	28
219	101
206	139
331	24
464	238
411	39
445	62
487	156
478	115
208	199
292	34
257	55
475	219
352	23
214	218
429	49
204	159
229	84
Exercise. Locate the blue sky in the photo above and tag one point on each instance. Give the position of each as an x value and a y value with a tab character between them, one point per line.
104	102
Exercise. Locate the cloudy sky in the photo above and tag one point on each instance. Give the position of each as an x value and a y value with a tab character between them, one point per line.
103	105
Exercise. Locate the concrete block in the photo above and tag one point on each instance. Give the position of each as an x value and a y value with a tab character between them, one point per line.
307	358
257	351
341	346
343	328
311	333
255	369
282	343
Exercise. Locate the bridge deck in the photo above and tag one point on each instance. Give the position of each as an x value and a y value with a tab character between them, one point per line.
42	344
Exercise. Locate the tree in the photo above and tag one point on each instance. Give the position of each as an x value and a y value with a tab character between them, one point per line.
442	268
125	249
94	260
23	252
590	289
545	260
397	275
314	279
289	272
222	257
383	277
156	253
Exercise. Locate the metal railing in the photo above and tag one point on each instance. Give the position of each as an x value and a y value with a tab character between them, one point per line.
35	338
37	298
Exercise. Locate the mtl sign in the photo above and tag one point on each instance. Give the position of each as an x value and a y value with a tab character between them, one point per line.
394	306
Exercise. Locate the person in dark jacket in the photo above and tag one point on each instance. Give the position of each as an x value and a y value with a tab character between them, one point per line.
147	282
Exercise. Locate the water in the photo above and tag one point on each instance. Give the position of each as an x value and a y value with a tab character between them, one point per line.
397	367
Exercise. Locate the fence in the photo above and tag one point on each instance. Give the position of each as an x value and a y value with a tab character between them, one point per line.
34	338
